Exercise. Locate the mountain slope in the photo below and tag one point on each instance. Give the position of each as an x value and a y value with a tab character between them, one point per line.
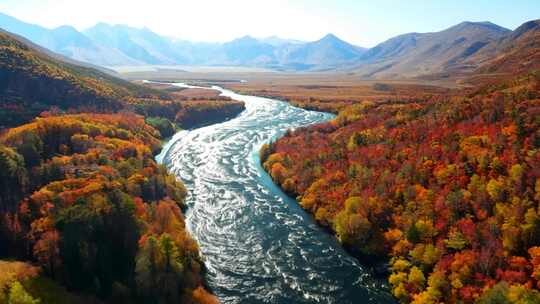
515	53
142	45
32	81
279	42
417	54
248	51
57	56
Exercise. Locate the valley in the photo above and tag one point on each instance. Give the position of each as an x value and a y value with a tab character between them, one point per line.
137	167
259	246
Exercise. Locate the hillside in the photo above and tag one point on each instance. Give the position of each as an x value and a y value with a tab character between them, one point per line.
32	82
467	49
445	185
418	54
22	68
57	56
515	53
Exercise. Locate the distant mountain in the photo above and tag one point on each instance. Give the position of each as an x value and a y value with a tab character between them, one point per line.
330	51
35	33
67	41
280	42
142	45
417	54
463	48
248	51
199	53
111	45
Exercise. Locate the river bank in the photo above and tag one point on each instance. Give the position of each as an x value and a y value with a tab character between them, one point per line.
259	245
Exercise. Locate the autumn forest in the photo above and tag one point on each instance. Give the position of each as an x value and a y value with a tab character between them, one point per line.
447	187
412	166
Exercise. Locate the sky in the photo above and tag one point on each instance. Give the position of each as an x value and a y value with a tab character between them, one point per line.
364	23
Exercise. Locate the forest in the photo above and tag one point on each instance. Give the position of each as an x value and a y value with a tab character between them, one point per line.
186	113
84	200
87	215
445	187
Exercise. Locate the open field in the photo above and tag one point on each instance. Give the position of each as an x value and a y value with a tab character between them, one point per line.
266	77
321	91
182	93
333	92
187	69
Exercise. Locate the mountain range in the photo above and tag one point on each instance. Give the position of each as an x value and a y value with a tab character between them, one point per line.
114	45
426	53
459	49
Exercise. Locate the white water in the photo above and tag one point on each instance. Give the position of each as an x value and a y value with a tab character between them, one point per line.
259	245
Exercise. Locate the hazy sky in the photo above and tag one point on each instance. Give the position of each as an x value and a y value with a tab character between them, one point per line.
364	23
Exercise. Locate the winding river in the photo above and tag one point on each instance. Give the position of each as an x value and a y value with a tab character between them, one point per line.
259	245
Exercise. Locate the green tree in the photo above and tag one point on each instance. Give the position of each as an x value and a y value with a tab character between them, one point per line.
13	177
31	148
159	269
146	267
171	269
456	240
495	189
18	295
352	229
416	278
498	294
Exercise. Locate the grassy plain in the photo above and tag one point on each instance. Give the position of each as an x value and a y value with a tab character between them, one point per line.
321	91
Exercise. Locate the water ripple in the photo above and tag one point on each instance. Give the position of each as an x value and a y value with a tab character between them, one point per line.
259	245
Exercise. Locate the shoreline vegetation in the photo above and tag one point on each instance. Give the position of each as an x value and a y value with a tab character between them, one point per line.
78	178
96	213
376	264
88	216
442	184
62	166
190	108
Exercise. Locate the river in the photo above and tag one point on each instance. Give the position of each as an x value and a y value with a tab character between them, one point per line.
259	245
